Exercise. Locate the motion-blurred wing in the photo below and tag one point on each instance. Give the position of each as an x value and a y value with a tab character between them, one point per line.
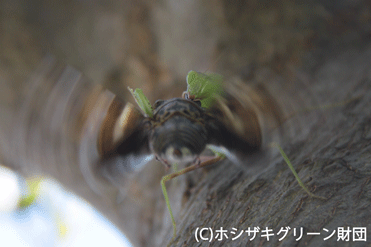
123	131
123	141
60	123
243	119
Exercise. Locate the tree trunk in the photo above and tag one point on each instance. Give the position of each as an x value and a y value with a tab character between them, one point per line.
306	55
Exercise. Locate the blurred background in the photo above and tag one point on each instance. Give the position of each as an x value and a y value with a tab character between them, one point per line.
39	212
149	45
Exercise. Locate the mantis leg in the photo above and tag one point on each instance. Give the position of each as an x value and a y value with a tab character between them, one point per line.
288	162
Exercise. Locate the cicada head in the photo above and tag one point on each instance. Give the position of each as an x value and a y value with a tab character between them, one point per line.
178	133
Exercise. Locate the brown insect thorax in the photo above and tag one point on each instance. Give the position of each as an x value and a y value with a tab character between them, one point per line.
178	134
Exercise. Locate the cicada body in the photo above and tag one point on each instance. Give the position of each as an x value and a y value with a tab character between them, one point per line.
179	129
178	133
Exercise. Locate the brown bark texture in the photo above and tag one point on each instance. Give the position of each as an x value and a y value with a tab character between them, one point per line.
314	57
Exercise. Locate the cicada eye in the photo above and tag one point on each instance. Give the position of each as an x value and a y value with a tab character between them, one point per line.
158	103
185	95
198	102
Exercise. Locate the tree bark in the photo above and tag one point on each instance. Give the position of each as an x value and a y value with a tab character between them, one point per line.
307	55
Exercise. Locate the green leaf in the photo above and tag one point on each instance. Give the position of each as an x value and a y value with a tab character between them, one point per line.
204	87
142	101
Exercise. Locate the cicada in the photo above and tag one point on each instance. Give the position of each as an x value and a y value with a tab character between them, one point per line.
230	118
211	113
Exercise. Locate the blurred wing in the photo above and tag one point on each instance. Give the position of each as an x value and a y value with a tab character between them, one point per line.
123	142
243	120
62	124
122	131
